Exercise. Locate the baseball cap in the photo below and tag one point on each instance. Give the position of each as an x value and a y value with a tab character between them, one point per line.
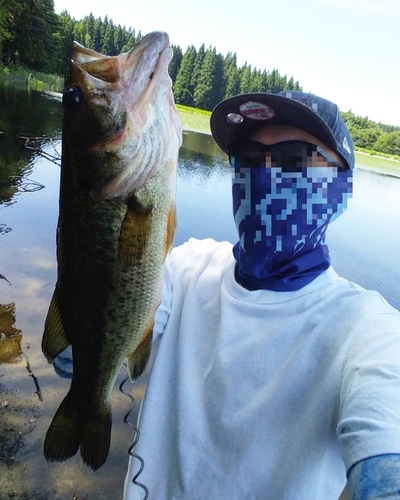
233	119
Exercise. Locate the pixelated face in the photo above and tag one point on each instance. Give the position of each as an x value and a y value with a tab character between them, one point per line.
288	155
273	134
285	194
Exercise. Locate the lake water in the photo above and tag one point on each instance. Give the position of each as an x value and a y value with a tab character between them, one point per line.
364	244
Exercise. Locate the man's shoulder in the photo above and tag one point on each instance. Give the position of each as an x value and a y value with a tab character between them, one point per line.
195	250
199	257
371	298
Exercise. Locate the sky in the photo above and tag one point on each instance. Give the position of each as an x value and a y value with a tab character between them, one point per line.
347	51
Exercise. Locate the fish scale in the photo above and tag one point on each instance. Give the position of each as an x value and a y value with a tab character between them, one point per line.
116	226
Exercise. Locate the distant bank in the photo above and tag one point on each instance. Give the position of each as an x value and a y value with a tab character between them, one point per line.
197	120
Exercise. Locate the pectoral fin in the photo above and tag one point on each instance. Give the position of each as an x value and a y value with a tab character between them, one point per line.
137	361
54	339
134	235
171	228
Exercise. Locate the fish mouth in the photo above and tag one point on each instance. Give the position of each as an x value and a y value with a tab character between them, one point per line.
130	71
131	102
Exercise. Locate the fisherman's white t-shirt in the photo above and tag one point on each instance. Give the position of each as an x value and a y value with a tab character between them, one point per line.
264	395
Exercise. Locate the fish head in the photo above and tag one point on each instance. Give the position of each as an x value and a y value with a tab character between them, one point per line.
120	125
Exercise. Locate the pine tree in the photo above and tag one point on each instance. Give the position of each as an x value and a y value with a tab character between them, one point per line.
119	41
65	38
108	47
209	90
88	22
79	32
175	63
130	41
245	78
219	80
27	33
32	34
198	63
274	82
88	41
181	88
256	81
5	18
264	76
104	27
282	83
231	76
97	40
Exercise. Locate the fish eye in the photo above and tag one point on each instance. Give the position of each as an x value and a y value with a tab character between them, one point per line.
72	98
151	76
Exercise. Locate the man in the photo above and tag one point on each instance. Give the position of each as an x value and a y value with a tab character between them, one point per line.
274	378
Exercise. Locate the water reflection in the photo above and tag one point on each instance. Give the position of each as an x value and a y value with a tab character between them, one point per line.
4	229
363	244
201	147
23	114
10	337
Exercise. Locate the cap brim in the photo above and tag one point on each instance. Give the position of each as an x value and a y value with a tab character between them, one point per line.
282	111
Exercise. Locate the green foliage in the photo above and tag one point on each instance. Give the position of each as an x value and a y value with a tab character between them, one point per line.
231	76
364	137
182	87
389	142
371	136
97	35
18	77
198	64
5	21
28	33
206	77
208	88
119	39
108	46
175	63
245	78
130	39
32	35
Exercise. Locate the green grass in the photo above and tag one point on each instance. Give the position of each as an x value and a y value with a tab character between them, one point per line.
20	77
194	119
378	164
374	153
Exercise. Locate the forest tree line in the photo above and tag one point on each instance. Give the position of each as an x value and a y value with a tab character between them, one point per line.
33	35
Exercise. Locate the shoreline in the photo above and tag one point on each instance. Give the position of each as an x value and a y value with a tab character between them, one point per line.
393	172
389	173
377	156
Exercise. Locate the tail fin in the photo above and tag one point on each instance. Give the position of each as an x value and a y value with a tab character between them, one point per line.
95	440
68	431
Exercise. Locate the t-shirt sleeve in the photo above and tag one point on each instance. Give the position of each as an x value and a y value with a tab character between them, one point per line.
164	309
180	265
369	401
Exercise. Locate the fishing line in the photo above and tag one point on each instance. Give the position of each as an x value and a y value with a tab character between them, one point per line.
136	438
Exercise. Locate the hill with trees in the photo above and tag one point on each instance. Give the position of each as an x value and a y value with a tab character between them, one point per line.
33	35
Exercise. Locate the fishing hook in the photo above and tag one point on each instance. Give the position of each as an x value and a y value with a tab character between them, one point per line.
136	438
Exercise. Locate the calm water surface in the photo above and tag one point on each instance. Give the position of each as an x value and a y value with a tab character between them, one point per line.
364	245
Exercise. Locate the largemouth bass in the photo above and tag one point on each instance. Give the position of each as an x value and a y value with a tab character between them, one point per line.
121	136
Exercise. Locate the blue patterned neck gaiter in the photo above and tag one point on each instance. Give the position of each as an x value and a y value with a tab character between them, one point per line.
282	217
